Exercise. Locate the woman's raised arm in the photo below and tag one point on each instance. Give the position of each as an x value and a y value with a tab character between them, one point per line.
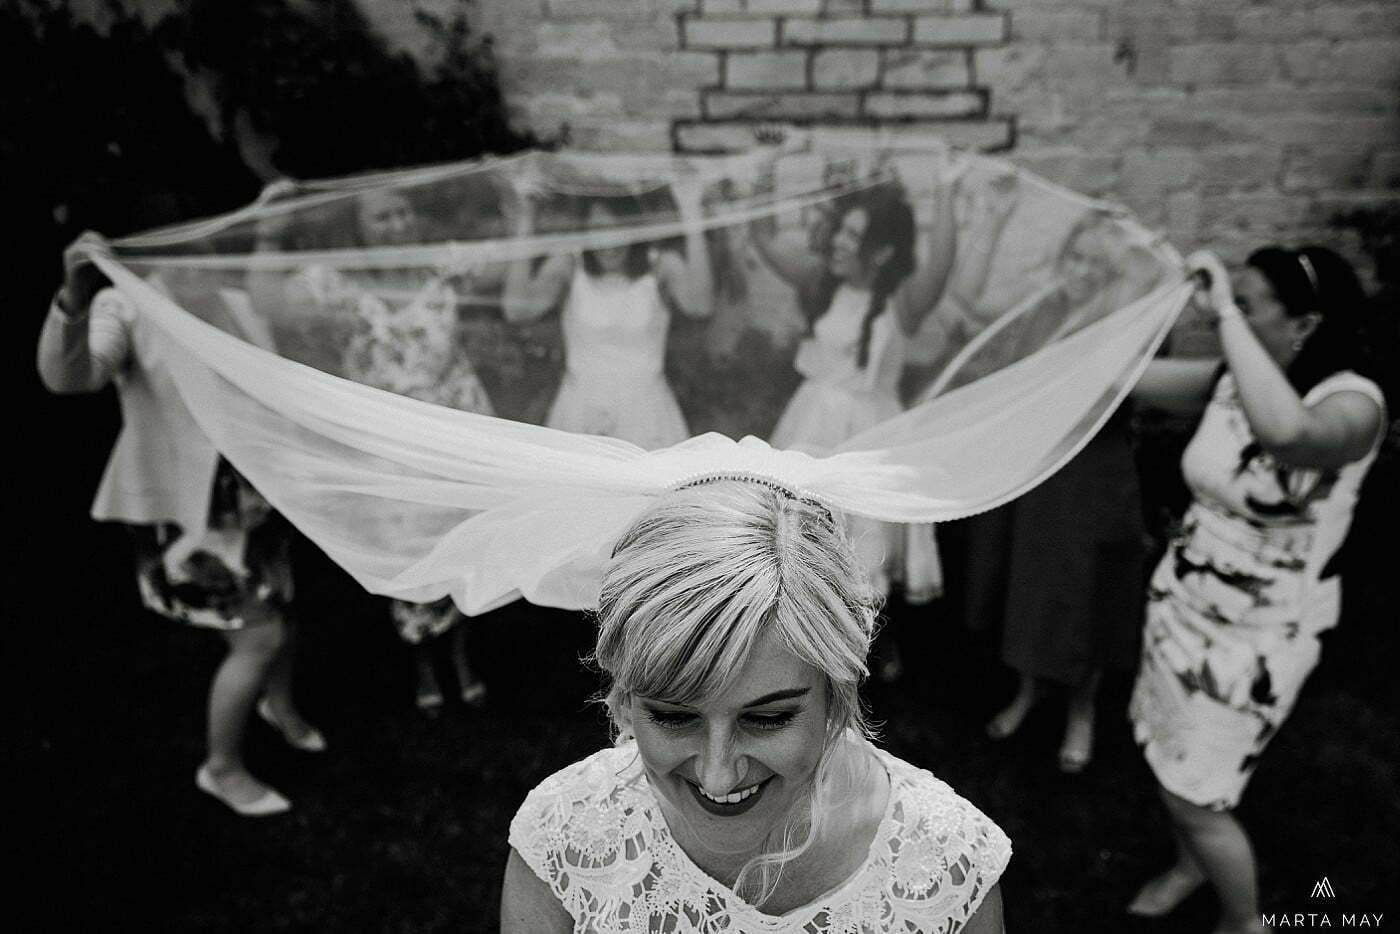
73	357
529	293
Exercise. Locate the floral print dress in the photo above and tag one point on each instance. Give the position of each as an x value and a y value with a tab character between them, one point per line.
1236	604
414	348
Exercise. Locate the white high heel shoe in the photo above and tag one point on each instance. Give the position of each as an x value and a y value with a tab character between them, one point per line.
310	741
265	805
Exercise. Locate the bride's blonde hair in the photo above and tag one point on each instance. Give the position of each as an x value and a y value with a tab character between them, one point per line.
692	586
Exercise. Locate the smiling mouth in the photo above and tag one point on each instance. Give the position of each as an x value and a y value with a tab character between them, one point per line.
734	803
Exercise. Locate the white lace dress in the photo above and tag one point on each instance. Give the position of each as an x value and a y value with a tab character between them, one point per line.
595	834
615	353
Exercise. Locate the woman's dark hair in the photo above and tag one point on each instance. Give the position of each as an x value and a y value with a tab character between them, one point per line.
626	209
1316	280
889	222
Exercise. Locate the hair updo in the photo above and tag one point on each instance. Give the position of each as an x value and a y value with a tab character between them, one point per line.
694	584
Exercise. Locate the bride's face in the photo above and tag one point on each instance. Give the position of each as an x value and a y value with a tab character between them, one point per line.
731	768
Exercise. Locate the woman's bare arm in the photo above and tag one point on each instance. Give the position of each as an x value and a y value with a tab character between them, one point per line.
918	295
988	917
527	904
689	280
531	293
1177	385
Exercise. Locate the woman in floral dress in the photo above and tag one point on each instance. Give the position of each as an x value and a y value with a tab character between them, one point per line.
1238	601
404	336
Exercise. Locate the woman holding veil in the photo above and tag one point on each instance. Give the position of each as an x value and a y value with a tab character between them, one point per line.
615	303
210	552
864	295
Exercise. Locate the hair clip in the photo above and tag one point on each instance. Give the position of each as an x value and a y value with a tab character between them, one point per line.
1309	271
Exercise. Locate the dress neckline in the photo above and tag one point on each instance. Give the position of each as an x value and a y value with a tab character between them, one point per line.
831	895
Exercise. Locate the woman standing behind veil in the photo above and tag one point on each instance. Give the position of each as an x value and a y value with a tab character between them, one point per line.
615	303
399	330
864	297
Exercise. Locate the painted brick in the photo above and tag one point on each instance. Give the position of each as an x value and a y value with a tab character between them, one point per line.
635	78
853	31
1009	68
725	106
1243	167
1147	174
729	33
1088	66
1358	20
610	9
845	68
1247	101
1222	63
926	68
1304	61
1088	171
721	7
1057	25
916	6
785	7
777	70
1276	25
1368	61
1196	132
1325	129
970	29
1251	212
985	135
1316	168
1151	24
688	136
925	105
622	135
545	113
1385	169
580	40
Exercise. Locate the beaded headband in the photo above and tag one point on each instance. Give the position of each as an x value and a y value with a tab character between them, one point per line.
769	483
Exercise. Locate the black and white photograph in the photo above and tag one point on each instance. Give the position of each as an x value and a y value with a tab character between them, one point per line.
745	466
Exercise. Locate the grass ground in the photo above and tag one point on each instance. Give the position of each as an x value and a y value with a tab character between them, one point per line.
402	826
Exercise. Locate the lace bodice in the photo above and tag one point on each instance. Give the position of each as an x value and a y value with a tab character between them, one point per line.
595	834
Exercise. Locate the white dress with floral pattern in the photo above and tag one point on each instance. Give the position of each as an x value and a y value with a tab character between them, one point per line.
595	834
1236	604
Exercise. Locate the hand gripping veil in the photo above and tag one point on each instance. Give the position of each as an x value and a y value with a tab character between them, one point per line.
468	379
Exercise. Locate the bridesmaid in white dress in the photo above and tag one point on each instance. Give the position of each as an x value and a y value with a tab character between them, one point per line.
616	311
866	296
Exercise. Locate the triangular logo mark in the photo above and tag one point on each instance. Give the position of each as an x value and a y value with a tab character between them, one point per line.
1323	889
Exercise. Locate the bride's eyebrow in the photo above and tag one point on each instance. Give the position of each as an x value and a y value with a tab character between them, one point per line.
777	696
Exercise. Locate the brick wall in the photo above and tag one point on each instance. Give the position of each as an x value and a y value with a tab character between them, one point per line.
1228	122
